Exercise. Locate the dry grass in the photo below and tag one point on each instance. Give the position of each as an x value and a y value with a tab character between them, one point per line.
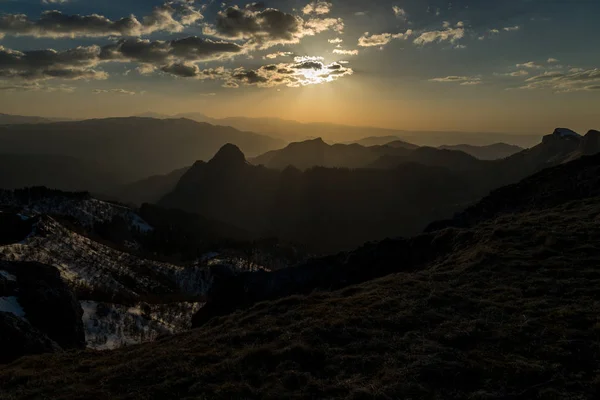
514	315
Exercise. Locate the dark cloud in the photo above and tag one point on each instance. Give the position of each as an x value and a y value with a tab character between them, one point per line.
308	65
176	57
182	70
46	64
162	52
307	71
266	27
55	24
249	77
267	24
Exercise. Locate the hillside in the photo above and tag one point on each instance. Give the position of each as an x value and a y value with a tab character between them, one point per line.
136	274
133	148
503	308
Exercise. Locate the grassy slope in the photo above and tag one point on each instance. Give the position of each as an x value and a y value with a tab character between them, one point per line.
512	316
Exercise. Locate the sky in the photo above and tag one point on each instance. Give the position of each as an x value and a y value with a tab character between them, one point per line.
472	65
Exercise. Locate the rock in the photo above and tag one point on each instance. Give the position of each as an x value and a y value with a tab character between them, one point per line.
19	338
49	304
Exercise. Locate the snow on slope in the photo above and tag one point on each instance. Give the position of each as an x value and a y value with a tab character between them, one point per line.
85	263
88	211
10	304
8	276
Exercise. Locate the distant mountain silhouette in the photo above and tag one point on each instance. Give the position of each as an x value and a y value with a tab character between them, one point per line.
325	208
382	141
453	160
491	152
316	152
294	131
55	171
149	190
399	144
331	208
135	148
7	119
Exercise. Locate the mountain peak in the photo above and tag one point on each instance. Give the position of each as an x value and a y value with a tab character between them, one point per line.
566	133
316	142
561	137
229	154
593	132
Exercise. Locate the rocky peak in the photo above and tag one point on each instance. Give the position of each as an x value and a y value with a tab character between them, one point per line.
229	154
562	136
566	133
590	143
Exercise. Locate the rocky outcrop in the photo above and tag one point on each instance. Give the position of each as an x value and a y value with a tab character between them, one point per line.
19	338
49	306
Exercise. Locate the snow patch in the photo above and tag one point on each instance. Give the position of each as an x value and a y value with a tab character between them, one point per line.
7	276
11	305
140	224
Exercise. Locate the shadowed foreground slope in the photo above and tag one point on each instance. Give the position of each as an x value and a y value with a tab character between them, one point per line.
509	312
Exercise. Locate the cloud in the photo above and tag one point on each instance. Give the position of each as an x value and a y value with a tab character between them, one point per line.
521	72
511	28
563	82
345	52
11	86
114	91
308	71
273	56
54	1
335	41
264	28
462	80
382	39
449	33
530	65
399	12
318	7
173	57
552	61
158	52
34	65
303	71
55	24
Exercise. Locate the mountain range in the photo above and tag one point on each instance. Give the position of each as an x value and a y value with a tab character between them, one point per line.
497	302
331	208
292	131
130	148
